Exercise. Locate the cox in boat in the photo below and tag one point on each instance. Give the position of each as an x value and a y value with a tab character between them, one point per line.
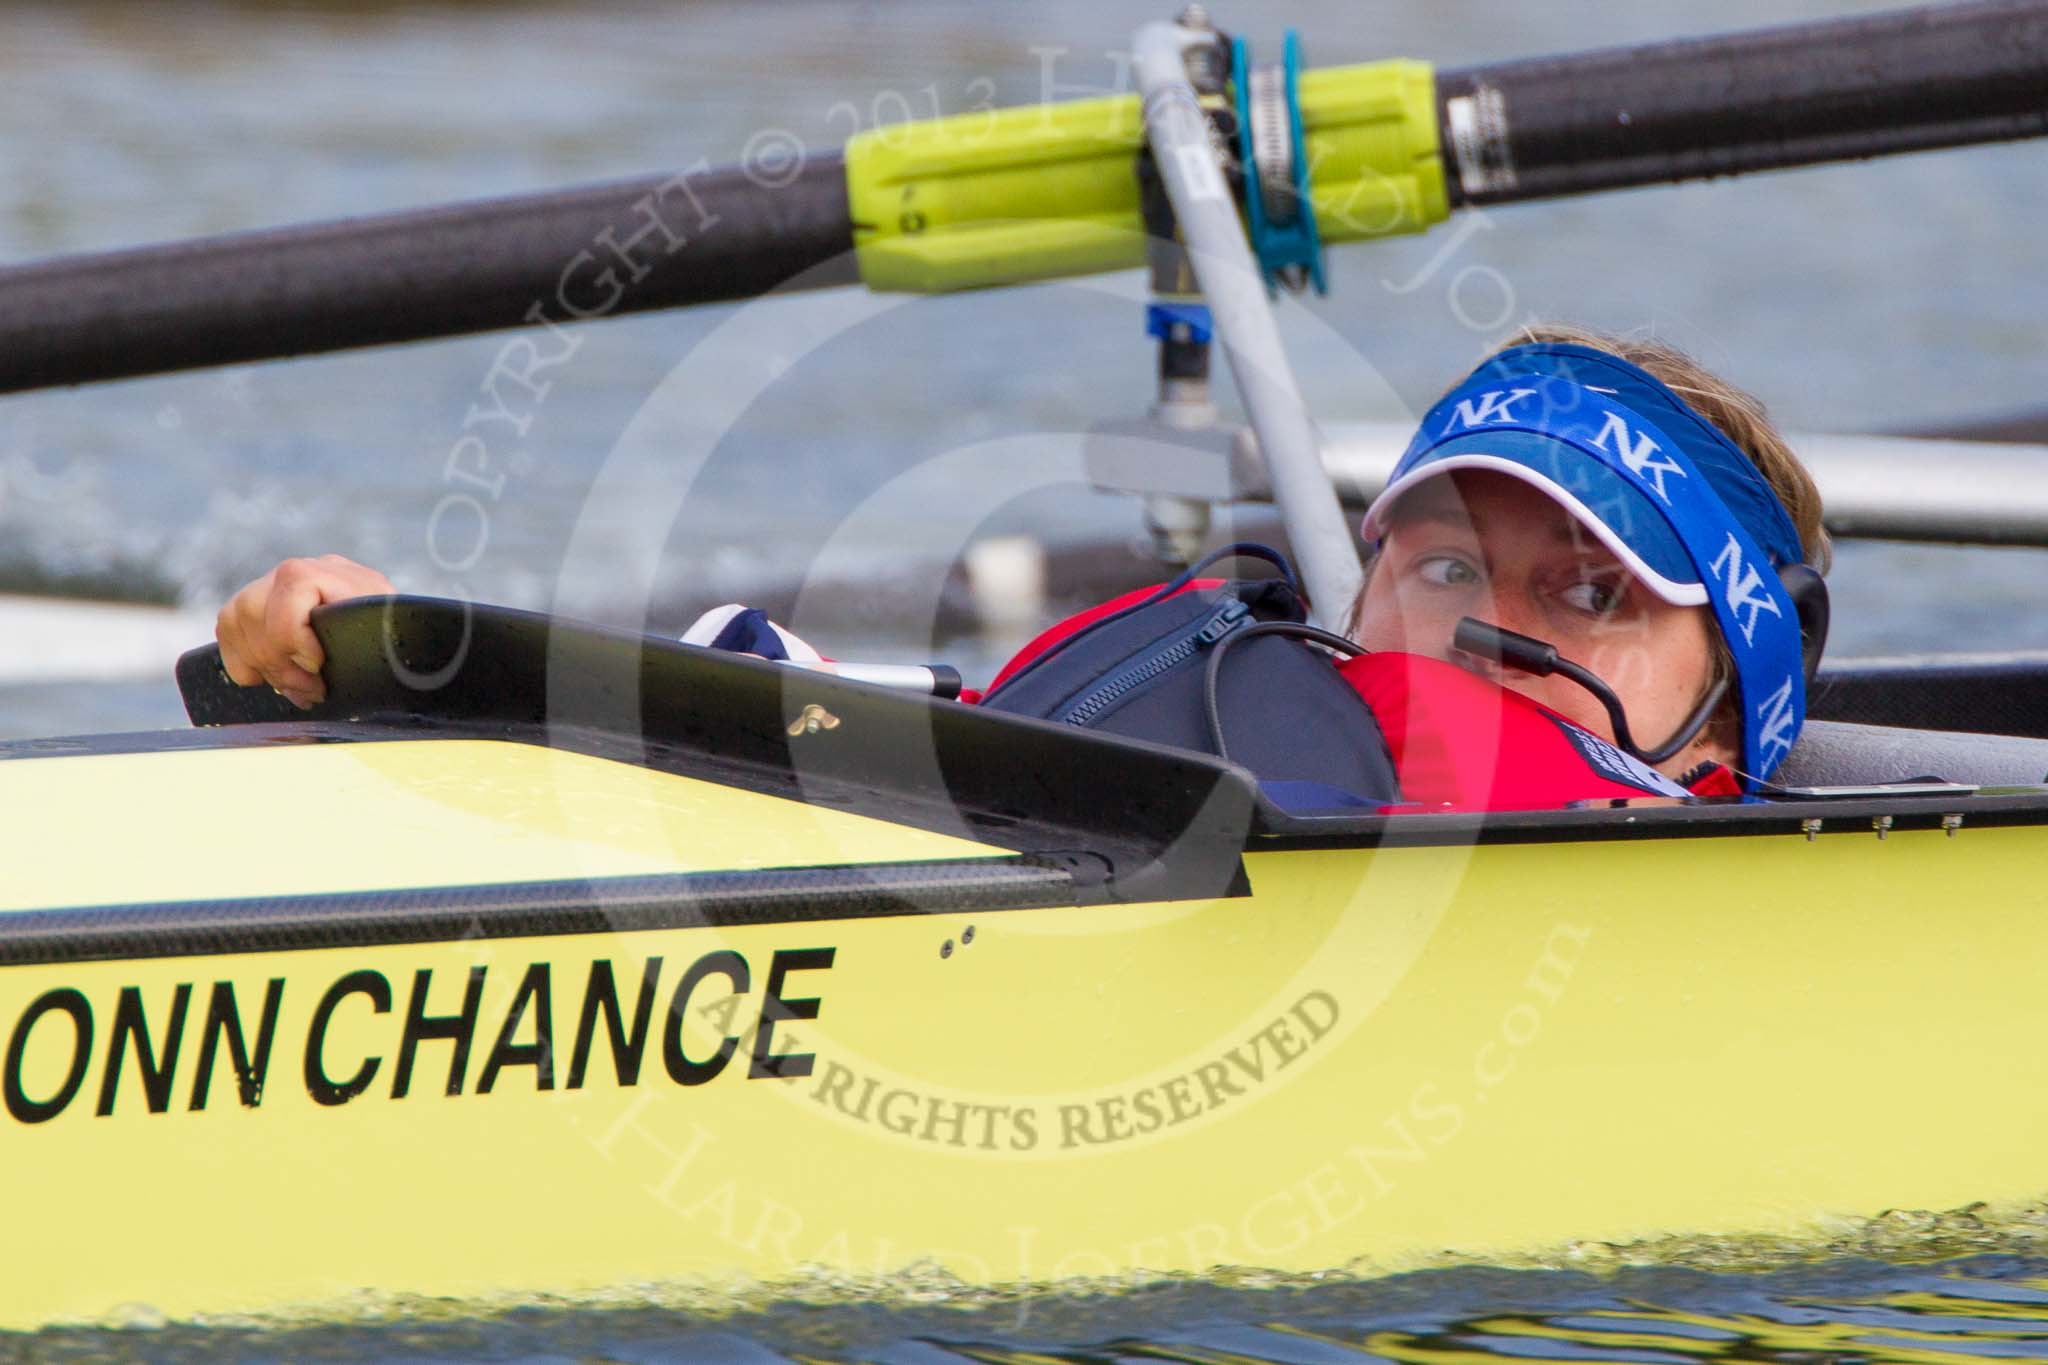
579	959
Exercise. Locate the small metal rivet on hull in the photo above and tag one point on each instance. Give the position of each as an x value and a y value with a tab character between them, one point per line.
1810	828
1882	824
811	720
1950	824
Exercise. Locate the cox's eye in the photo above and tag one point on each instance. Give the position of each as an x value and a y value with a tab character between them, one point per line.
1595	596
1446	571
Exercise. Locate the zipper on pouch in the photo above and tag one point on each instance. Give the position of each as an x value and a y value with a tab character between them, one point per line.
1136	675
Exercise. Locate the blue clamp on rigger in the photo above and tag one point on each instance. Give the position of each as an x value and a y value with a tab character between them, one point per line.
1179	322
1294	243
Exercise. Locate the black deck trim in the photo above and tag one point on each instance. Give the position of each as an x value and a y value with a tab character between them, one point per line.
1167	824
1170	823
1720	818
1270	827
357	919
1993	695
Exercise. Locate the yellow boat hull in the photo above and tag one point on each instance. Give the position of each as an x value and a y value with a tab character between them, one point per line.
590	964
1370	1057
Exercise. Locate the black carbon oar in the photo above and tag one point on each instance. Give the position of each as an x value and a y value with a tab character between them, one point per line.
438	272
1911	80
1937	76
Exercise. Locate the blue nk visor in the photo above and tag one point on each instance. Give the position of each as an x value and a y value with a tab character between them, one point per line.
1674	500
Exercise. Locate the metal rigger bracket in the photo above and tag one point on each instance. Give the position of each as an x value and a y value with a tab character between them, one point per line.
1219	132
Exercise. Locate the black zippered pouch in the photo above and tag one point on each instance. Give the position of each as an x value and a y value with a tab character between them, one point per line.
1283	709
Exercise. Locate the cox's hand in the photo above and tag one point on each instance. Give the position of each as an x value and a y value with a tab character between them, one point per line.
266	629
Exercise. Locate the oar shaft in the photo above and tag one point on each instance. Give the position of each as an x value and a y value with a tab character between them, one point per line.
1931	77
1939	76
593	251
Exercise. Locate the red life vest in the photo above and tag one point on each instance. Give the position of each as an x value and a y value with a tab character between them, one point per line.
1459	741
1463	742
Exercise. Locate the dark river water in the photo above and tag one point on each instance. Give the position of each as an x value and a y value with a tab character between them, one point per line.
1989	1306
1900	295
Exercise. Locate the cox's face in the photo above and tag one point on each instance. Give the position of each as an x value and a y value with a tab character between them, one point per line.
1487	545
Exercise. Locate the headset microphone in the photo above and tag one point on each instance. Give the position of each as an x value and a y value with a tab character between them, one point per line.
1525	654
